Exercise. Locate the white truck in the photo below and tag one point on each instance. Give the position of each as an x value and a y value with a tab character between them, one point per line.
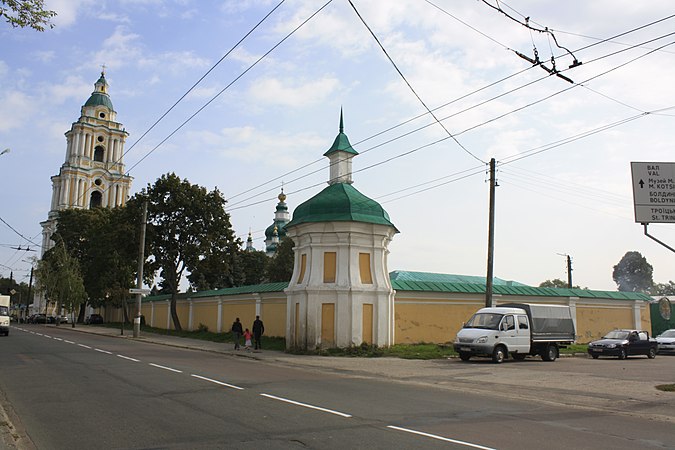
518	330
4	315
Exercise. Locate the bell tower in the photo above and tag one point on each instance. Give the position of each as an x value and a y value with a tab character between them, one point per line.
92	174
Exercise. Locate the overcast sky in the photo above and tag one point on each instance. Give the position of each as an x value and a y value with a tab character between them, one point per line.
563	150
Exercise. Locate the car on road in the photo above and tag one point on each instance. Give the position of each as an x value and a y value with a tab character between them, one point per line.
38	318
95	319
624	343
666	341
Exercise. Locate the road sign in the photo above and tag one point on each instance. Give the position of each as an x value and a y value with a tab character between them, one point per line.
139	291
654	191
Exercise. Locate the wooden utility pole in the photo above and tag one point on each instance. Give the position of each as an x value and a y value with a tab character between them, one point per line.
569	271
491	238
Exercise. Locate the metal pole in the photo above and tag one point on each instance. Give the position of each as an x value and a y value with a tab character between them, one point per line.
139	279
569	272
654	239
491	238
30	285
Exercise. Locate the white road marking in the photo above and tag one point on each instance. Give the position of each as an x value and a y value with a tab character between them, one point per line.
58	339
318	408
440	438
166	368
103	351
85	346
39	334
47	336
130	359
68	342
217	382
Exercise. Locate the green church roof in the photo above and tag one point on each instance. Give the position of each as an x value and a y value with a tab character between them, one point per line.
341	142
340	202
99	99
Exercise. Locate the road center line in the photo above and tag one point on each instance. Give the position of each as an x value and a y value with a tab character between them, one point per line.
85	346
103	351
39	334
337	413
440	438
47	336
217	382
58	339
68	342
166	368
130	359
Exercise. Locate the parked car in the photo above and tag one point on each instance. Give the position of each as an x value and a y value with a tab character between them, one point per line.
38	318
95	319
624	343
666	341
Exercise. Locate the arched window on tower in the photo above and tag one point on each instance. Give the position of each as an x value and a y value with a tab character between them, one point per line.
95	200
98	153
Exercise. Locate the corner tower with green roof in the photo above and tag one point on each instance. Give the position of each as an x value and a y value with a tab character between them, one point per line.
340	294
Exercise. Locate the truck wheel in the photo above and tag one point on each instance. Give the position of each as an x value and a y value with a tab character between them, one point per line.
622	353
519	356
499	354
464	356
651	354
550	353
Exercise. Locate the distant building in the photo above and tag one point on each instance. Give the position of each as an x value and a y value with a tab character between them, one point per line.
277	231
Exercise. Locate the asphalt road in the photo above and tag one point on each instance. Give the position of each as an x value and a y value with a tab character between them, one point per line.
75	390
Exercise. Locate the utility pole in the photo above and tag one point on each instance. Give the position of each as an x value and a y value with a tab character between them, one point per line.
30	286
491	238
569	271
139	279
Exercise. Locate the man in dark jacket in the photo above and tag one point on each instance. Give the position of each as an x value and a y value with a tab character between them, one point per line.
258	330
237	331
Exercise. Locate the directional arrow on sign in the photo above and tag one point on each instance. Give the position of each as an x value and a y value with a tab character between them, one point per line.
642	184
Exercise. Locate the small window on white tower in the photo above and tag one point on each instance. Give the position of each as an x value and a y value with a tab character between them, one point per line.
95	200
101	115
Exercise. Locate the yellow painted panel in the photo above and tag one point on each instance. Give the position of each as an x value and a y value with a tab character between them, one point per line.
303	266
161	313
646	318
431	322
245	312
364	268
182	309
593	322
328	325
329	267
273	316
206	314
368	323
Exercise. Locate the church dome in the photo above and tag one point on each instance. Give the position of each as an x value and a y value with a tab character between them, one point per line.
340	202
99	99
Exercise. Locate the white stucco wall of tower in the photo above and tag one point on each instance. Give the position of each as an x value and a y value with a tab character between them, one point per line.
347	293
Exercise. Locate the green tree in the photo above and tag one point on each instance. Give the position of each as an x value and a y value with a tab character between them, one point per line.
254	266
59	278
105	242
633	273
556	283
280	266
663	288
26	13
188	232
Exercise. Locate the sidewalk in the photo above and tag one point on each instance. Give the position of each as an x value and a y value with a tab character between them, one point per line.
549	383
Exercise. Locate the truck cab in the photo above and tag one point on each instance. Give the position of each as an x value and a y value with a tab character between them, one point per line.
4	315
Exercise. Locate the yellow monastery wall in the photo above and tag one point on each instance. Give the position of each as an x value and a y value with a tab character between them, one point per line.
594	321
273	315
205	312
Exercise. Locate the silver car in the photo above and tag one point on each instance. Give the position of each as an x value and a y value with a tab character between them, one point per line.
666	341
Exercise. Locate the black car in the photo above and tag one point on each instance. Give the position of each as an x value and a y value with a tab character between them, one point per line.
624	343
95	319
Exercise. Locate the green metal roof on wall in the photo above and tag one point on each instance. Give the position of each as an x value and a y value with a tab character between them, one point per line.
251	289
99	99
403	275
340	202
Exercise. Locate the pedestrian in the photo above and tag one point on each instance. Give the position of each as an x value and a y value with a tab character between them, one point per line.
247	340
236	333
258	330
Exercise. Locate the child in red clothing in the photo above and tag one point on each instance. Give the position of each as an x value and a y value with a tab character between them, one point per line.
247	340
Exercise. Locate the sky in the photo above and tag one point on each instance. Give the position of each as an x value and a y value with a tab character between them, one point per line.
269	108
